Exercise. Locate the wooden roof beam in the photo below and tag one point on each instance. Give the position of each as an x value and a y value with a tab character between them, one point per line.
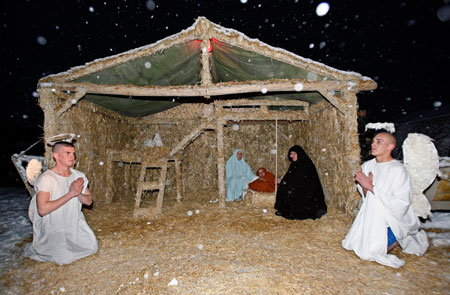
205	73
213	89
261	102
269	116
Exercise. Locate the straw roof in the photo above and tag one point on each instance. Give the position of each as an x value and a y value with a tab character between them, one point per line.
202	62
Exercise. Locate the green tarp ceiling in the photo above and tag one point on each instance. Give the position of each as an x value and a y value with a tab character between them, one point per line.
180	65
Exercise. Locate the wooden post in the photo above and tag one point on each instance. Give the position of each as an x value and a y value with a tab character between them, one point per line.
140	188
109	176
162	185
178	178
221	163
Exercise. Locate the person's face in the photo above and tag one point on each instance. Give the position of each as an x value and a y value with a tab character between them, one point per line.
381	145
293	156
239	155
261	173
65	156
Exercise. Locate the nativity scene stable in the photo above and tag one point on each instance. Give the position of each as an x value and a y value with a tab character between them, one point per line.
164	118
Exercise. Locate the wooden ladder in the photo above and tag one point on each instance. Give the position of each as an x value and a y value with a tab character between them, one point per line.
144	185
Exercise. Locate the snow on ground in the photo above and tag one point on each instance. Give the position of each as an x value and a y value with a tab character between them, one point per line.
15	226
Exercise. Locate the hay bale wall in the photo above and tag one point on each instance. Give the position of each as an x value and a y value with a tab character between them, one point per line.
97	129
331	141
329	138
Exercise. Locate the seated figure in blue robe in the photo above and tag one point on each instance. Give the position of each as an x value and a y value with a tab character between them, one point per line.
238	176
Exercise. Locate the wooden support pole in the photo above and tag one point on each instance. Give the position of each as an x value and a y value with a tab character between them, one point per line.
178	178
140	188
205	73
221	163
162	185
109	176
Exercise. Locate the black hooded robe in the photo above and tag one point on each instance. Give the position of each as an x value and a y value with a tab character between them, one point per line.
300	194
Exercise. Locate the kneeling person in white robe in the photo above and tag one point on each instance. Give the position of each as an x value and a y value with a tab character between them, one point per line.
60	231
385	187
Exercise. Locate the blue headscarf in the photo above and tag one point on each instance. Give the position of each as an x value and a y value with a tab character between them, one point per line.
239	175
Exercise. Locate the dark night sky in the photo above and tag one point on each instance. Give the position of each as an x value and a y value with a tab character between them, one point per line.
402	45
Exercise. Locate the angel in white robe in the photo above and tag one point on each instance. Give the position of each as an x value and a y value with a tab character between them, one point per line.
386	192
60	231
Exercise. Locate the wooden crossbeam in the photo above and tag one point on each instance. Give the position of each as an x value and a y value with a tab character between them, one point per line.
224	88
260	102
71	100
271	116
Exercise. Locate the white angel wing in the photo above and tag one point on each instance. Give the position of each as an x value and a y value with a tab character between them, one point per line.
421	160
33	170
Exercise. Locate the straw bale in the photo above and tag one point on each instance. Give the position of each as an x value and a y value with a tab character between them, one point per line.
260	199
236	250
328	135
334	149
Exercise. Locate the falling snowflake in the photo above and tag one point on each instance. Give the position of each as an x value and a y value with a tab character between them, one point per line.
322	8
91	9
235	127
41	40
147	65
264	90
437	104
150	5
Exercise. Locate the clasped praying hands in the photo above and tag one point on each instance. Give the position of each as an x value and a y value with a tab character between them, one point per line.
366	182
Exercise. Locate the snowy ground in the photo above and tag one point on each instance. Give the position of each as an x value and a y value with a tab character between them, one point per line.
14	224
15	228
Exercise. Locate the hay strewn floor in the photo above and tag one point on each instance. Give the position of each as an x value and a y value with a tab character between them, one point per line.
236	250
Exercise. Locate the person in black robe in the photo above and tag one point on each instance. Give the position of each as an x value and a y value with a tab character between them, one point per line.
300	194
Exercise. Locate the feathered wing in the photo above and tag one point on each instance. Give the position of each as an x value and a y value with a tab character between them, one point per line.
33	170
421	160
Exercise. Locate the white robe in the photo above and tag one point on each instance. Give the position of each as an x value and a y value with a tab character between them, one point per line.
389	206
63	235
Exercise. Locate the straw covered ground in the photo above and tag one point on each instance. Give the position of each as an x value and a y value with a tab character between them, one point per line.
237	250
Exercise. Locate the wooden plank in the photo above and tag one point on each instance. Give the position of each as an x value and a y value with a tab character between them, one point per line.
270	116
205	73
162	184
334	100
261	102
178	178
210	90
140	188
71	100
221	163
